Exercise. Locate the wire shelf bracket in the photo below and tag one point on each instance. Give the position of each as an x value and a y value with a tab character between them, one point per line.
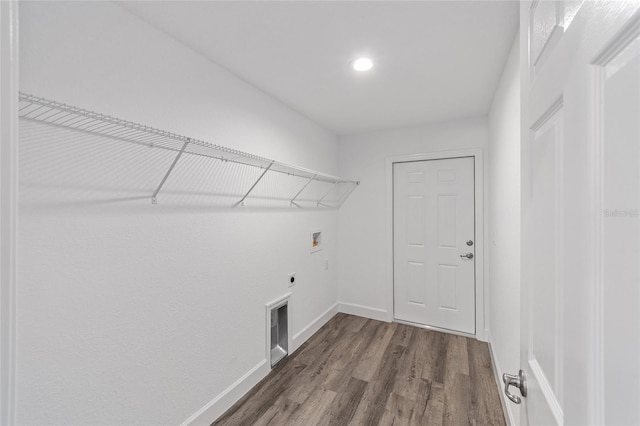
300	192
241	202
60	115
319	202
154	199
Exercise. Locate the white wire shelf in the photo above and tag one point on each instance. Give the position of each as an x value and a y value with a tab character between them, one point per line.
52	113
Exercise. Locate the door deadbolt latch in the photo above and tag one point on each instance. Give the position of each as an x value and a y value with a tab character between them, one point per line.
519	381
470	243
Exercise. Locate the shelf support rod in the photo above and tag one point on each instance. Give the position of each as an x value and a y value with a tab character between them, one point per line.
328	192
346	194
303	188
241	202
154	199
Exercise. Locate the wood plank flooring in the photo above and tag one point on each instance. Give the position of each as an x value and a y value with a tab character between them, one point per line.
356	371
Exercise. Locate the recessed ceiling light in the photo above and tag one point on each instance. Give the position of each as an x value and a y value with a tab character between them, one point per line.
362	64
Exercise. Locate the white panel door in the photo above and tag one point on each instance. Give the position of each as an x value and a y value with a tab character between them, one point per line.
433	228
580	323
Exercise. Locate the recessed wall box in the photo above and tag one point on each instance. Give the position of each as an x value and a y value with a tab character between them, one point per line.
278	342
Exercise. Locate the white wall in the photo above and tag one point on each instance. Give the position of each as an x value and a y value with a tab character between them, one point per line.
132	313
362	223
504	221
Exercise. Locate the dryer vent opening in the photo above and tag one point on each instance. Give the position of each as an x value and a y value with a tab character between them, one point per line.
279	334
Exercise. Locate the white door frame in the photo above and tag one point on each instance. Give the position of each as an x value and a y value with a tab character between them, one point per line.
8	204
477	155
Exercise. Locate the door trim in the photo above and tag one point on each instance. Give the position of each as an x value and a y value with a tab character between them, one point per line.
480	226
8	205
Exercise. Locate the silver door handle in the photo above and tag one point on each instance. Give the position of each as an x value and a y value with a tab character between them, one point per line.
518	381
467	256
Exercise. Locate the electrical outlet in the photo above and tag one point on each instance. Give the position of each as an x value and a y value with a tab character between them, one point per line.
292	279
326	265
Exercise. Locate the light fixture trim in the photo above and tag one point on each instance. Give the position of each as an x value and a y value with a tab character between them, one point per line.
362	64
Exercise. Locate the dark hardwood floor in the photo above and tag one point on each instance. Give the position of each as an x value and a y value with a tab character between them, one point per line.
356	371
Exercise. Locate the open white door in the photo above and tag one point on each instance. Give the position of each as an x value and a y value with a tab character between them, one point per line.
580	323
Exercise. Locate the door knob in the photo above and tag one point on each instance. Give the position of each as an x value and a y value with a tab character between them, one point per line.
467	256
518	381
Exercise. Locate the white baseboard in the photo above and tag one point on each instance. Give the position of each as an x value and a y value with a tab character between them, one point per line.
483	335
304	335
363	311
506	407
225	400
221	403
